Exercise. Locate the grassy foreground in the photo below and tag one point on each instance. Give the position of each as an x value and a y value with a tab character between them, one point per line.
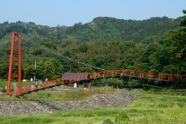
61	95
151	107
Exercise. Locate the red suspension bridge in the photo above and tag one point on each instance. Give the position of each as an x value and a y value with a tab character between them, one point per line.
72	78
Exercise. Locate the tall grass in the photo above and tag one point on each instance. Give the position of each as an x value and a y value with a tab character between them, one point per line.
151	107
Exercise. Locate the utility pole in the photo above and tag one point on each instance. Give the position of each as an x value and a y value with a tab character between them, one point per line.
35	67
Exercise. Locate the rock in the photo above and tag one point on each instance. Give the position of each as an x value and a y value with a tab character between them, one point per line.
120	98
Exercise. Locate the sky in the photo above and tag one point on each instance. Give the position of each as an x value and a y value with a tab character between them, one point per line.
69	12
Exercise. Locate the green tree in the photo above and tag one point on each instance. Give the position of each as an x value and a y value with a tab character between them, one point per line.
175	41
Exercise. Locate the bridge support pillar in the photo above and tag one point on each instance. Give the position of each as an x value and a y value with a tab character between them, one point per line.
17	53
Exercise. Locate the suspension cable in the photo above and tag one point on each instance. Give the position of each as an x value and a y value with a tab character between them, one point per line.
76	61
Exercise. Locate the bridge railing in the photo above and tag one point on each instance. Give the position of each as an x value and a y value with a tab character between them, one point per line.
70	80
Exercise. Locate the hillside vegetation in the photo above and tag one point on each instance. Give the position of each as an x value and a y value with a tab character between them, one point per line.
154	44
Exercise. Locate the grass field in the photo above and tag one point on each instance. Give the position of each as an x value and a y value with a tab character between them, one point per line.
151	107
64	94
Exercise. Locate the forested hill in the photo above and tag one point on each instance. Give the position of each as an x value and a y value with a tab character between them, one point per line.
153	44
112	29
100	29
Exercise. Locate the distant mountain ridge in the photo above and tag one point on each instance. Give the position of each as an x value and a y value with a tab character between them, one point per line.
100	29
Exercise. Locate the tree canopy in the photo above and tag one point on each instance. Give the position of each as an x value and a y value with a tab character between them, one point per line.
154	44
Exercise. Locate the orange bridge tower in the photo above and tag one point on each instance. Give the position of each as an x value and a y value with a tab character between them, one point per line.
15	37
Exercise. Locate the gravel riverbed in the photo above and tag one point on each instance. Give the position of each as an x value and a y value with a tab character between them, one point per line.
120	98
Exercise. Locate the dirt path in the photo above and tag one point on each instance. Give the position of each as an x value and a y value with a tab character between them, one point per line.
119	98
